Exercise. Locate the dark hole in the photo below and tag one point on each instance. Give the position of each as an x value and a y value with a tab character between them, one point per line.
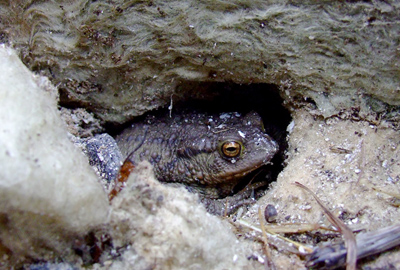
229	97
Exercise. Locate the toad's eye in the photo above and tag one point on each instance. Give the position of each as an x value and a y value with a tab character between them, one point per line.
231	149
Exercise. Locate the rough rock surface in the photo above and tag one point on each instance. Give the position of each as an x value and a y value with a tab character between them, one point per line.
122	58
103	154
162	227
80	123
44	179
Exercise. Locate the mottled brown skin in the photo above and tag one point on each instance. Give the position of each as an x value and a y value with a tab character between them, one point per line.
209	154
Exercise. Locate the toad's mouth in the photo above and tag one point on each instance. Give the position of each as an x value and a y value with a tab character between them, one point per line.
238	174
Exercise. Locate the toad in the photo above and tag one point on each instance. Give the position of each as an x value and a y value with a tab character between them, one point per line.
208	154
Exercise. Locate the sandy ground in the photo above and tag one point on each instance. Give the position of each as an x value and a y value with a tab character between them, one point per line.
351	166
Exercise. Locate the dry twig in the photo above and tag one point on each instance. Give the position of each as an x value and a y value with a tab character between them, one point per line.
279	241
333	256
349	238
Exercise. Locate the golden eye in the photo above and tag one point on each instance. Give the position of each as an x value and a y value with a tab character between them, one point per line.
231	149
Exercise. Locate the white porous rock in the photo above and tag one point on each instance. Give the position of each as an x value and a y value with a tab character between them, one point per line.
162	227
48	192
128	57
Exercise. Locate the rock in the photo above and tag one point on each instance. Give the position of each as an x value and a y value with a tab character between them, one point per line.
104	155
49	195
163	227
121	60
51	266
80	123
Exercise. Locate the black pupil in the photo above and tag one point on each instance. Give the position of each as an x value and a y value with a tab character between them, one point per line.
231	149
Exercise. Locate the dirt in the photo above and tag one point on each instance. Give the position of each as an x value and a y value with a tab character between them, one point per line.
352	166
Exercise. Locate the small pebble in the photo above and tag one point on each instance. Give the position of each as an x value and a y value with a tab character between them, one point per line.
270	213
104	155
